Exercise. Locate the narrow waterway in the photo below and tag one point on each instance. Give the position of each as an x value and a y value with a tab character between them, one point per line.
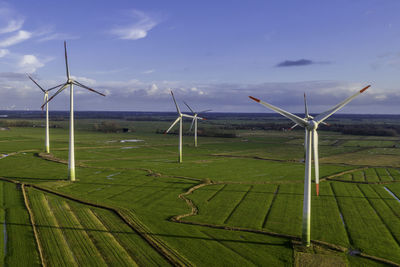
391	193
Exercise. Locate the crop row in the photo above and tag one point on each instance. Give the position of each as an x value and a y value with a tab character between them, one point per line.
373	175
74	234
364	217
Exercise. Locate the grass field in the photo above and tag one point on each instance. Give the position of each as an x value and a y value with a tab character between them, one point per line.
233	201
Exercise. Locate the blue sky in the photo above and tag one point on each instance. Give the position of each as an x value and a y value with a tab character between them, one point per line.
213	54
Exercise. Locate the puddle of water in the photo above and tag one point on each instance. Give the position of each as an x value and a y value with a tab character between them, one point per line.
391	193
354	252
2	156
109	177
341	217
128	147
131	140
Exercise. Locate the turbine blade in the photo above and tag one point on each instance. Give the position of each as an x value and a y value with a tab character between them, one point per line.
284	113
54	87
36	83
187	116
66	59
176	105
207	110
191	126
172	125
59	91
294	126
315	150
189	107
323	116
305	106
87	88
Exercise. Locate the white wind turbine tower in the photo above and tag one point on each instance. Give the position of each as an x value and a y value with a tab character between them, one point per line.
179	119
194	121
70	82
46	97
310	124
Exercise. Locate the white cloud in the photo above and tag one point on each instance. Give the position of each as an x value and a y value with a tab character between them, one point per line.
148	71
9	20
12	26
57	36
4	52
20	36
29	63
137	30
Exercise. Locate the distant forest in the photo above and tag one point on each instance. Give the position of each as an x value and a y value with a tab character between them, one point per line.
224	124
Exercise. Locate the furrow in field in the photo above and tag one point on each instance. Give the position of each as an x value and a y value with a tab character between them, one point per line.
269	207
286	211
237	204
128	239
232	249
384	213
216	193
389	174
109	246
325	215
391	201
55	248
84	248
130	187
368	232
341	215
32	220
58	226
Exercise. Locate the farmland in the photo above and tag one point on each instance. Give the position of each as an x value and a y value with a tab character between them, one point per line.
233	201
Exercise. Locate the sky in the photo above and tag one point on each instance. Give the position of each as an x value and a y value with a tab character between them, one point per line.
212	54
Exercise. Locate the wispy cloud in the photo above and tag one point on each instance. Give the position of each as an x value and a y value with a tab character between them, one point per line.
19	37
4	52
137	30
148	71
9	20
299	63
12	26
29	63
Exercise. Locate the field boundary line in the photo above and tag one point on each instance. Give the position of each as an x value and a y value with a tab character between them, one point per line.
377	174
384	200
342	217
238	204
32	219
389	174
159	246
171	256
229	248
379	216
270	206
216	193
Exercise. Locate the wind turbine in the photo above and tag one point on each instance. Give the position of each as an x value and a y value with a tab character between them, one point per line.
194	121
46	97
310	125
179	119
70	82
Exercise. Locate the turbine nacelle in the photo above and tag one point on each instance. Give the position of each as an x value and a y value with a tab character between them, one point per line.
312	125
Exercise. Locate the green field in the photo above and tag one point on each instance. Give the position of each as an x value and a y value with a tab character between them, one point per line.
232	202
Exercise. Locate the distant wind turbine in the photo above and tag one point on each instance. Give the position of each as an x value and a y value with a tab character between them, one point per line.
46	97
310	124
70	82
194	121
179	119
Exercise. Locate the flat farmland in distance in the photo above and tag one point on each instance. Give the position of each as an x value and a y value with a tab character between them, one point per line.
233	201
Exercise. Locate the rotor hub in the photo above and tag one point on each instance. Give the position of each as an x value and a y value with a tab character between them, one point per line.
312	125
